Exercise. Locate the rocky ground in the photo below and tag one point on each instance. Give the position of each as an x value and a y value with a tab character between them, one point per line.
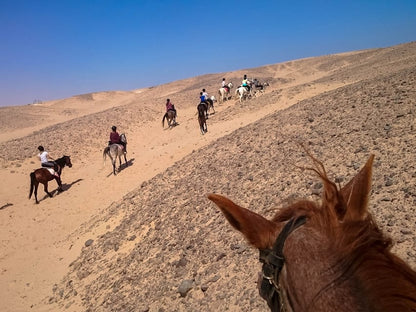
173	250
168	247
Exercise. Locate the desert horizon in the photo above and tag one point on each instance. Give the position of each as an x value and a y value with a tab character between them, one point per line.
150	227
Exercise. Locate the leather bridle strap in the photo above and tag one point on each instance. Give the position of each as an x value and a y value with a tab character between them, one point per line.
273	261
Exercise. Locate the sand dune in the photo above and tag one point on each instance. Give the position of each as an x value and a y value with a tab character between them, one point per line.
151	225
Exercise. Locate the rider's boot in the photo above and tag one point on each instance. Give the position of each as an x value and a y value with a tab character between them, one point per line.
56	168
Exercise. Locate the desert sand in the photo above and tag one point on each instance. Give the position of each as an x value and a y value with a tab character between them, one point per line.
151	226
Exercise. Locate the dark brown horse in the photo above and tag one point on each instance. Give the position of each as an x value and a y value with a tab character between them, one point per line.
43	175
170	116
202	113
327	256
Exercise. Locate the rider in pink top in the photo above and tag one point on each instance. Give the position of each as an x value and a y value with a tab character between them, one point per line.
114	136
170	106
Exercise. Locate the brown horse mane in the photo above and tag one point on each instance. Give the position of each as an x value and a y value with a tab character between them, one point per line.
363	251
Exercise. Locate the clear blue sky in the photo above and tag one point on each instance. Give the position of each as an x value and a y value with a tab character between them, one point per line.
59	48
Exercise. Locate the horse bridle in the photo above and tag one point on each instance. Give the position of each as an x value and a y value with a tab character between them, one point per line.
273	261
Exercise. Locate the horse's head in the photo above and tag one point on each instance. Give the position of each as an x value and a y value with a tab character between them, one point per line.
123	138
315	254
68	161
230	85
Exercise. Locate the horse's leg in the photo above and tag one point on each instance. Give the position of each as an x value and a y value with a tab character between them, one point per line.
58	180
36	192
125	159
201	125
45	188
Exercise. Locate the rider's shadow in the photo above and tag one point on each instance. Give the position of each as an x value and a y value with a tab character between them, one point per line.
126	165
66	187
123	166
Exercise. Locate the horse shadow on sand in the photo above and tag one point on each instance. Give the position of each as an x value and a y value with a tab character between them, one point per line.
123	166
65	187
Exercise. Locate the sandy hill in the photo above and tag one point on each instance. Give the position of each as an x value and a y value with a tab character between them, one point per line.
151	226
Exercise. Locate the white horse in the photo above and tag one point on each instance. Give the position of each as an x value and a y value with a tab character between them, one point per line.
242	93
225	93
116	150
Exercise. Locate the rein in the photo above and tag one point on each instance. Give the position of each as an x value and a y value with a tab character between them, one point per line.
273	261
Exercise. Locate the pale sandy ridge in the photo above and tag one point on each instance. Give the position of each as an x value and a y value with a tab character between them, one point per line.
40	242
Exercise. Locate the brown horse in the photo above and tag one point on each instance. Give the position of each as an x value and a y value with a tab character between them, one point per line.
170	116
202	113
43	175
329	256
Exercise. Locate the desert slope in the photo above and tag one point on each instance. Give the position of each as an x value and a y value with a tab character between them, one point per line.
152	226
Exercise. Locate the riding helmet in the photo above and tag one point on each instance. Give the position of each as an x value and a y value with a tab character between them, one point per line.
114	128
40	148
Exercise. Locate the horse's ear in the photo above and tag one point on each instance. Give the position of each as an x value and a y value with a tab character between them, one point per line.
258	230
356	192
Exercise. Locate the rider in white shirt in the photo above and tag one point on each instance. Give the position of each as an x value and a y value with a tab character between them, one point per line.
44	159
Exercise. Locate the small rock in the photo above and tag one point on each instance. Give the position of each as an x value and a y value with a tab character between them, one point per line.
182	262
222	255
185	287
405	231
89	242
389	182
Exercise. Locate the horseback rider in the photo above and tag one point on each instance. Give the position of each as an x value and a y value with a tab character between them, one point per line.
245	83
205	94
115	138
44	159
170	106
204	101
225	86
208	100
202	98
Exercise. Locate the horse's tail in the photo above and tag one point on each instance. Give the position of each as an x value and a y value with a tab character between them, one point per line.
105	152
163	119
32	183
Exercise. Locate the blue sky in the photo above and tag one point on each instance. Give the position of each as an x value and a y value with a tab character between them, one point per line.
60	48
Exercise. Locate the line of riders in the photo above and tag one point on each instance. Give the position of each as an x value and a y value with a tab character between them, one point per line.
48	162
209	101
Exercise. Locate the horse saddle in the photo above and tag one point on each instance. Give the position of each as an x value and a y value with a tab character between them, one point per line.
52	171
120	146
